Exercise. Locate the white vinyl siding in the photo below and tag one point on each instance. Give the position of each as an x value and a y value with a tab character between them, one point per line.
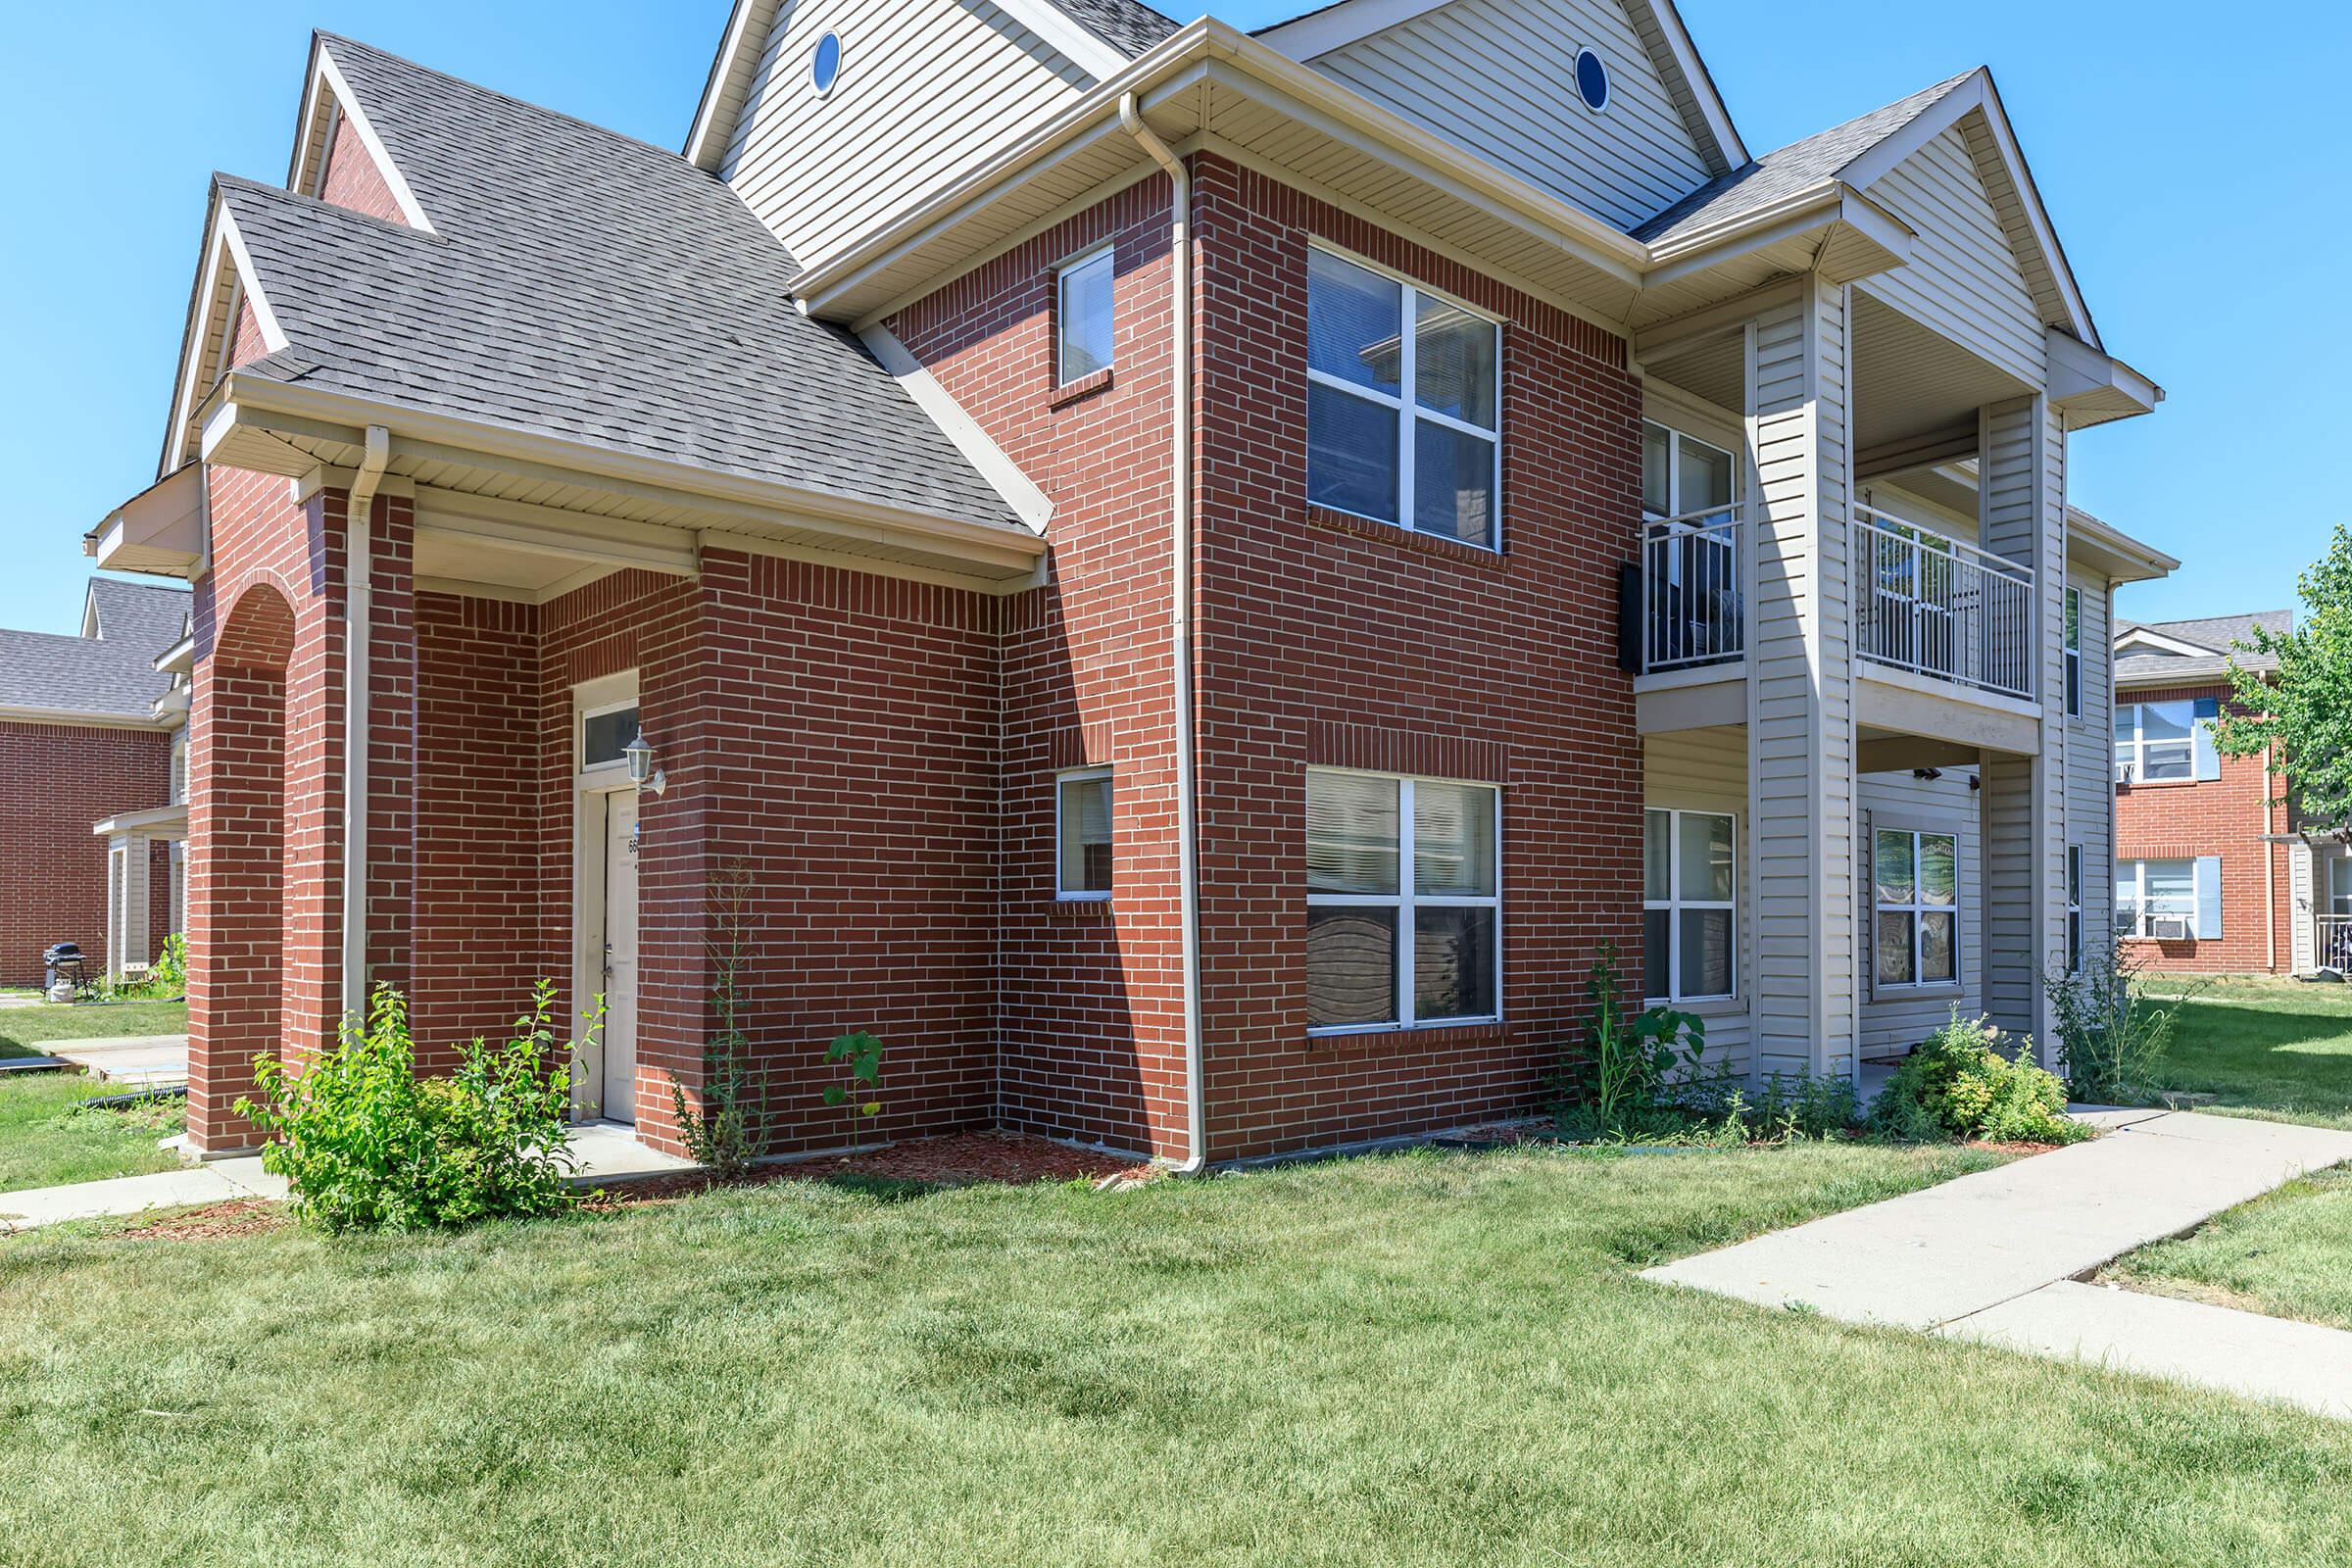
2089	765
927	89
1499	77
1963	278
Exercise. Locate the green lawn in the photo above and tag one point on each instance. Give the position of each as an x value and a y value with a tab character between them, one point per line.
44	1140
2265	1048
1422	1359
2288	1255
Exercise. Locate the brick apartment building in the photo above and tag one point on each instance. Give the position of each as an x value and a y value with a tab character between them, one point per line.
1193	579
2210	877
92	753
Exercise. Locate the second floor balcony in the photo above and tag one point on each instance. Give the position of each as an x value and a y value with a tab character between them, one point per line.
1694	611
1939	607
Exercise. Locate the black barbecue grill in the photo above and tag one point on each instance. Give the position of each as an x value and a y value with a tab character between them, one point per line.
64	961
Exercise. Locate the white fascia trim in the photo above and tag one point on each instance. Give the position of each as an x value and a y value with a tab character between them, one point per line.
243	394
1319	32
1711	107
223	246
1979	92
2151	638
77	718
1068	35
1028	503
403	197
722	66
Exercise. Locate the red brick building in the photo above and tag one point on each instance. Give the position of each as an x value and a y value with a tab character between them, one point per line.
1190	595
2207	877
92	758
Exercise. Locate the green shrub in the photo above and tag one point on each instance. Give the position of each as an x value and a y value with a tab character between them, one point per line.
1637	1071
2111	1037
1960	1082
1802	1106
365	1143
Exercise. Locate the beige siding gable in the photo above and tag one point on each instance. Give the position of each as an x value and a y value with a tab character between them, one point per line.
1499	77
1963	278
927	90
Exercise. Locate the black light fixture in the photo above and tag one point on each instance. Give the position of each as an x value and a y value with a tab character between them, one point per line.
1930	774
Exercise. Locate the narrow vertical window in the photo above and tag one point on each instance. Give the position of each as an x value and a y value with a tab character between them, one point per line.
1082	317
1916	880
1403	404
1403	901
2074	653
2074	908
1082	834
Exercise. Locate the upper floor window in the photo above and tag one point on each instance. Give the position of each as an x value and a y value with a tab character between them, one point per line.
824	64
1591	80
1682	475
2074	653
1082	317
2156	742
1404	900
1403	404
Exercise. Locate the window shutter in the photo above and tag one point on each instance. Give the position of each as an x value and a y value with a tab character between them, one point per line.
2209	897
2200	733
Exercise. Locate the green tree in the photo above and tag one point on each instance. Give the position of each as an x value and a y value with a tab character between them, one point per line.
2303	710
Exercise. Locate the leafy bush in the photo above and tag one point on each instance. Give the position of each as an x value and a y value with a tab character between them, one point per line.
1960	1082
2111	1037
365	1143
860	1056
1640	1070
167	977
1802	1106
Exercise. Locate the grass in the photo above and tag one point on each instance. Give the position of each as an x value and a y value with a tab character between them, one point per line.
2287	1254
45	1140
1419	1359
2280	1049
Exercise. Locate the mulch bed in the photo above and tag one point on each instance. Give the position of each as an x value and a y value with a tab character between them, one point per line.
240	1216
954	1160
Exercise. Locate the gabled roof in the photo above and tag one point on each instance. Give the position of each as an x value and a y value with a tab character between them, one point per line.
107	671
1862	150
2206	645
582	286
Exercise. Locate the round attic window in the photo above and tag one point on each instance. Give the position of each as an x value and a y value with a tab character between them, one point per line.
1591	80
824	66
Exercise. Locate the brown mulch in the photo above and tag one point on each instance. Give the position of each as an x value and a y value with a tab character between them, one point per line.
240	1216
954	1159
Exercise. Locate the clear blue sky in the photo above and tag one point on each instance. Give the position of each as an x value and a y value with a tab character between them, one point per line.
2198	186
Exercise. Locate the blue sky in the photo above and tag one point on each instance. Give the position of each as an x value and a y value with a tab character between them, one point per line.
2166	153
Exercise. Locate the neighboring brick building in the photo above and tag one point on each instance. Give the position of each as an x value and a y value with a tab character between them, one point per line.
90	739
2206	879
1202	710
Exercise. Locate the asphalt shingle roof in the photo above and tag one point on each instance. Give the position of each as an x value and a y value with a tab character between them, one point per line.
2213	632
113	672
1126	26
583	286
1798	166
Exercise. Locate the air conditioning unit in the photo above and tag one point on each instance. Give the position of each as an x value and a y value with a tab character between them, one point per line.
2123	772
2173	929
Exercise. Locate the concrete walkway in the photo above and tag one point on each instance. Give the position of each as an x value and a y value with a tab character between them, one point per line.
1994	1257
605	1151
135	1062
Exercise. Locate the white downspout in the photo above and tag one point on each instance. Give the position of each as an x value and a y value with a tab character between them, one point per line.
1180	617
2269	872
360	597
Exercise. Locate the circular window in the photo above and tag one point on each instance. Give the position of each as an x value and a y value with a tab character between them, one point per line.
1591	80
824	66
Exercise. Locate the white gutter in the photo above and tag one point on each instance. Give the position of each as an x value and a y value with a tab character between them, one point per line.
360	598
2270	875
1180	617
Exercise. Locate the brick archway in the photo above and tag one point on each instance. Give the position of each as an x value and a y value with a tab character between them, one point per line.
236	876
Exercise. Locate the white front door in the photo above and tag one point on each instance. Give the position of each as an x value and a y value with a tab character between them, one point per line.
620	957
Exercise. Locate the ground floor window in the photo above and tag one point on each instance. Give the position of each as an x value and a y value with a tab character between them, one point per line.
2169	901
1404	900
1082	834
1916	876
2339	884
2074	908
1690	905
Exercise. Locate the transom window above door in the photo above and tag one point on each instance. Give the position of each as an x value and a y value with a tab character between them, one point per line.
1403	404
605	735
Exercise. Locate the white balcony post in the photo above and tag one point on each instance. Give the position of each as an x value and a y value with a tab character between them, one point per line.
1800	843
2022	512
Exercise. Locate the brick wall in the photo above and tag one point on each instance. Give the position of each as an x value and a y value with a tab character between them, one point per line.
353	179
2225	816
56	782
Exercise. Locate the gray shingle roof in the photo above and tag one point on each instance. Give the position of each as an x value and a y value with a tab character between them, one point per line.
583	286
2213	632
1798	166
113	672
1126	26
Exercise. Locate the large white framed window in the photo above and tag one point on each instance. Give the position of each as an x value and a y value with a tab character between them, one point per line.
2074	653
2165	742
1914	878
1403	901
1403	404
1082	834
1082	317
2169	901
1690	905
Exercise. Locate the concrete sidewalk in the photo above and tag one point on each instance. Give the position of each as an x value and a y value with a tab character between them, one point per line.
1973	1258
135	1062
